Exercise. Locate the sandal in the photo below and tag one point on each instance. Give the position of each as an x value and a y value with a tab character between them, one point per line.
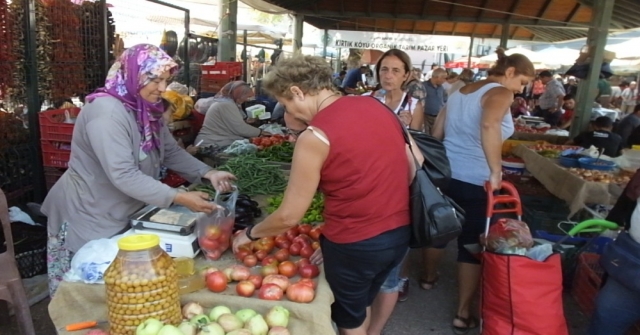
431	283
469	323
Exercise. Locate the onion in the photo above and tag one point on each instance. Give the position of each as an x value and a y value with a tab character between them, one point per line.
192	309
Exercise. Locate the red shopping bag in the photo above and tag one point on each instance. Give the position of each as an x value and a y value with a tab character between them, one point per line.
521	296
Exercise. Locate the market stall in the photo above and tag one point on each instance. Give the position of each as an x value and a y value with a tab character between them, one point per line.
575	186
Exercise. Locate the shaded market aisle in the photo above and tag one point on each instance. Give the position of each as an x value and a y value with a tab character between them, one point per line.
425	312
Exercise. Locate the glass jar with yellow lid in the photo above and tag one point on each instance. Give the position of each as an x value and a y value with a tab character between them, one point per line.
142	283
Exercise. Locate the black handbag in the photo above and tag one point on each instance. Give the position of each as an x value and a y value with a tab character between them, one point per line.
436	163
621	261
435	218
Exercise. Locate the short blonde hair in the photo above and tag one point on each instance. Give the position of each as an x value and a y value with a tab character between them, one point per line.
310	73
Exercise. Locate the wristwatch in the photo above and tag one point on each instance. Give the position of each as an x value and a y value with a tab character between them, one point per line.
248	233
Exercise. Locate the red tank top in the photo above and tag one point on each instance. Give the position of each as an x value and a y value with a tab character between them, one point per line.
365	176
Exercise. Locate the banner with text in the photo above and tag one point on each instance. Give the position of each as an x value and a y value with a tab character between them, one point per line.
406	42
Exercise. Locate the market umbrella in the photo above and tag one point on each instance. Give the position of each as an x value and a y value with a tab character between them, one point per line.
464	62
554	56
370	56
627	49
492	58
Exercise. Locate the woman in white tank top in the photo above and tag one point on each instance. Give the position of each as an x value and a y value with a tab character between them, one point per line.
473	126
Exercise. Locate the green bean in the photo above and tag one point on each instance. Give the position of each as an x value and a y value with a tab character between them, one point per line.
255	175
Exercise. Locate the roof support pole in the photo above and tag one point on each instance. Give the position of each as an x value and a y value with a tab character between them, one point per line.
597	39
470	51
228	31
325	41
504	36
297	32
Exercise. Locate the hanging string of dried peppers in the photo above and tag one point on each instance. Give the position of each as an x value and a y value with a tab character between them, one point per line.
67	59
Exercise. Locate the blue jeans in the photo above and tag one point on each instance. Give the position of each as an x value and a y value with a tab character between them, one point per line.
617	309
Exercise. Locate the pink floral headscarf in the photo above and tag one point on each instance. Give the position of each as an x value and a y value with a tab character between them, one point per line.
133	70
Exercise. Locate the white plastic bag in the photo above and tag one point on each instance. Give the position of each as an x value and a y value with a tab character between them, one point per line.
92	260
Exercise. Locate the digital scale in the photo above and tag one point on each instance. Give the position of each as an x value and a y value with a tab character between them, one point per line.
176	227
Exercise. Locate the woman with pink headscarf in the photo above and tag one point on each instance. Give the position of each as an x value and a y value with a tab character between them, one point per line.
119	144
225	121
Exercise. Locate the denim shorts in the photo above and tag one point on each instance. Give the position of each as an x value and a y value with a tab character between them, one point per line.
355	272
393	284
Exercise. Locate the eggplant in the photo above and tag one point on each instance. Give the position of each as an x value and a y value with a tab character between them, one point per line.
244	210
257	212
244	197
244	203
244	220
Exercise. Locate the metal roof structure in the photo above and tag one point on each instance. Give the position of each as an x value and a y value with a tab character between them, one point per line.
532	20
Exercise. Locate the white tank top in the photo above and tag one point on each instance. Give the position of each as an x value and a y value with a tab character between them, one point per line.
462	136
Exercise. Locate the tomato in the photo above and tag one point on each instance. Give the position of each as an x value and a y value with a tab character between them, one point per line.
315	245
250	261
240	273
304	228
287	269
261	254
242	253
302	262
315	233
270	292
266	142
306	252
302	239
212	232
245	288
270	269
295	248
279	280
309	271
282	255
309	282
271	259
292	233
280	240
285	245
216	281
256	280
255	141
207	244
266	243
206	271
300	293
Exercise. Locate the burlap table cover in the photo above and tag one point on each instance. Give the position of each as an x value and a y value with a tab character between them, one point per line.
563	184
78	302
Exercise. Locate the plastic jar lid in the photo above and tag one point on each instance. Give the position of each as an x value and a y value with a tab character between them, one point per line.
138	242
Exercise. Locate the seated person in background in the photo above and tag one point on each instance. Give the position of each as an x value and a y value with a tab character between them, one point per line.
601	137
353	78
626	126
337	81
519	107
225	119
569	109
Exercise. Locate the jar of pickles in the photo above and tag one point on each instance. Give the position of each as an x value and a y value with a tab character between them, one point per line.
142	283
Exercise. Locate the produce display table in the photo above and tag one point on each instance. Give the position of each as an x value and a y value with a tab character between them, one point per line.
552	139
563	184
78	302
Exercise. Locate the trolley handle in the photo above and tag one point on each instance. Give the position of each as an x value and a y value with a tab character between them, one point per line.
511	197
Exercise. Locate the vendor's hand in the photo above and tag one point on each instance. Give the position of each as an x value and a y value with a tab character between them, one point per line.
495	180
251	120
195	201
240	240
316	258
192	149
405	117
221	180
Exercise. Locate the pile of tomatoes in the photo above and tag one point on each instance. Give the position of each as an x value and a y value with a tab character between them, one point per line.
268	141
274	278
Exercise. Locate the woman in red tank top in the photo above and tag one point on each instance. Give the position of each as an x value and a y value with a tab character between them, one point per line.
353	151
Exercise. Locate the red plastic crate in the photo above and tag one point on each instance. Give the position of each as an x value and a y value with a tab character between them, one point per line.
208	85
51	176
52	126
222	70
587	281
55	154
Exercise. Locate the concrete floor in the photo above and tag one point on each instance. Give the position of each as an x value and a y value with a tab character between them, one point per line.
425	312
